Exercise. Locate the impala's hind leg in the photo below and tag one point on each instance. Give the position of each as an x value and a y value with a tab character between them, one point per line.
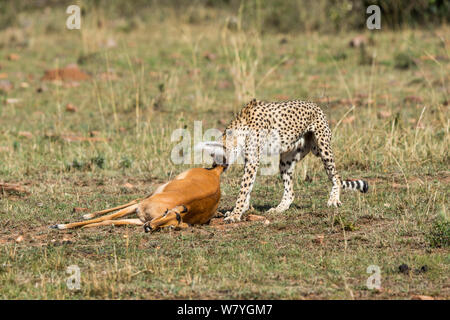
99	213
119	214
122	222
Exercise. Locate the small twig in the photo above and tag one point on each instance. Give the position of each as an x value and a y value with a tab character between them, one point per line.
142	271
343	117
417	125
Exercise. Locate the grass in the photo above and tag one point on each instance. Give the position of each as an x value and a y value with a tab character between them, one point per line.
390	126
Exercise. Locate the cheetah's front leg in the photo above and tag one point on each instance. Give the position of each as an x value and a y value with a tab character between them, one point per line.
243	200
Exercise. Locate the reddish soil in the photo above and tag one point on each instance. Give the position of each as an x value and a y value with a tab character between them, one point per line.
69	73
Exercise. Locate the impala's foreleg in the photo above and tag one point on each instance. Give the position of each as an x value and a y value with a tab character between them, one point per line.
119	214
171	218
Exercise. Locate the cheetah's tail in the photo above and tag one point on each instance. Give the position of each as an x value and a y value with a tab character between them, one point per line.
355	185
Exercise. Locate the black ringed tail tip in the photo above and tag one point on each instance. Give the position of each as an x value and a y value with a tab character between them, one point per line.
360	185
365	186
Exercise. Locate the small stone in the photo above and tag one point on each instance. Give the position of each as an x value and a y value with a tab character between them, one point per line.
413	99
358	41
210	56
349	119
254	217
319	239
224	84
5	86
111	43
13	57
71	108
128	185
384	114
19	239
66	240
12	101
25	134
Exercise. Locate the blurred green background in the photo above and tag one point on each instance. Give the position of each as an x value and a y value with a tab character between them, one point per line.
266	15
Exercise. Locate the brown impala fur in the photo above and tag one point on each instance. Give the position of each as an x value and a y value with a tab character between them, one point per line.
192	197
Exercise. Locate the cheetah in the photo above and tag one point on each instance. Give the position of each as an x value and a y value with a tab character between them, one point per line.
301	127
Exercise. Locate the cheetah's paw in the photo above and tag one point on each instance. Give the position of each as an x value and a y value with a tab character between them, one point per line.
233	218
278	209
334	203
272	210
228	213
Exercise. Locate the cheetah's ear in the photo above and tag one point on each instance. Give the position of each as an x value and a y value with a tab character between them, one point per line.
215	149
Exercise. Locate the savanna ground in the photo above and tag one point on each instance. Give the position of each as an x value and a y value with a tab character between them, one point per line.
387	105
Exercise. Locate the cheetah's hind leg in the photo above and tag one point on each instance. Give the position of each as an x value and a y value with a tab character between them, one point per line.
322	147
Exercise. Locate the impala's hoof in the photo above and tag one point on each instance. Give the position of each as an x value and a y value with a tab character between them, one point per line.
147	228
58	226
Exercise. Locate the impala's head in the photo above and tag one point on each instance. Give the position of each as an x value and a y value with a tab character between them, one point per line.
216	150
227	151
171	218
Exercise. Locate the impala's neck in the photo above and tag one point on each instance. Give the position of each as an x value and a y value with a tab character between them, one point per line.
219	168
